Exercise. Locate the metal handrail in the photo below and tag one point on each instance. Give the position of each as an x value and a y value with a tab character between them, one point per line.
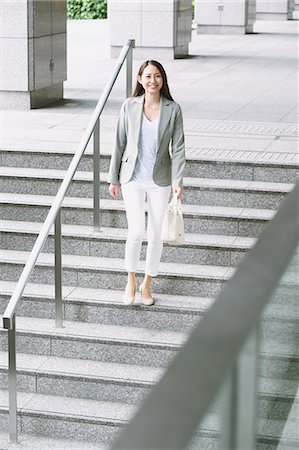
223	344
54	217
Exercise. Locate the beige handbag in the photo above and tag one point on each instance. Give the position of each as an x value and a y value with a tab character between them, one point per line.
173	223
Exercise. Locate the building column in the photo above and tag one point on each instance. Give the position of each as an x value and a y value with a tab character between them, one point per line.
161	29
33	52
274	9
224	16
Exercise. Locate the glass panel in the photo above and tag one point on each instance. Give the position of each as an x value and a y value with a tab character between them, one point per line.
207	435
278	399
277	383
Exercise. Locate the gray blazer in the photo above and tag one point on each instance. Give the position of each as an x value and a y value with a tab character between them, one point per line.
170	162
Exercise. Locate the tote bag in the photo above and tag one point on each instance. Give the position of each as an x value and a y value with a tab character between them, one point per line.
173	223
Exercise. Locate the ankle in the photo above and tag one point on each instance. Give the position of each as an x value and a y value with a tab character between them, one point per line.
146	286
147	282
131	278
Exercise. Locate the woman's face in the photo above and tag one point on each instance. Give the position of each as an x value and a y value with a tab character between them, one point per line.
151	79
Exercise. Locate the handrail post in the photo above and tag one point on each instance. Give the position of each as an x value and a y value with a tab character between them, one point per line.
58	271
247	393
12	382
96	175
228	412
239	409
129	69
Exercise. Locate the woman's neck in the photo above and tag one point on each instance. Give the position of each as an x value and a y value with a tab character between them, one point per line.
151	99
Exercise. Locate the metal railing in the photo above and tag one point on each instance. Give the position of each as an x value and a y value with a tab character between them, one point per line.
221	352
54	218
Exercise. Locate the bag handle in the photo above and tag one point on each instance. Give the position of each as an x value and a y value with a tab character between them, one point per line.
176	201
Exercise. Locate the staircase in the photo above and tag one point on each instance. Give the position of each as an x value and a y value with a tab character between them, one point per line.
80	384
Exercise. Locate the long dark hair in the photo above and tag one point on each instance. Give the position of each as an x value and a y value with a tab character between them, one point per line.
139	90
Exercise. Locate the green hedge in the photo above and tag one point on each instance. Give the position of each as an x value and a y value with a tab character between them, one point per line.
87	9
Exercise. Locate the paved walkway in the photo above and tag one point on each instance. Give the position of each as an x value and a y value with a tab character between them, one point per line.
239	94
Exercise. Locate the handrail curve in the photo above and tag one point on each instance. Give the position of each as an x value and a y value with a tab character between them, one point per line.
57	203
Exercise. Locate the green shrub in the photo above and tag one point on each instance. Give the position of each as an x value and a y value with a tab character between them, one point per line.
87	9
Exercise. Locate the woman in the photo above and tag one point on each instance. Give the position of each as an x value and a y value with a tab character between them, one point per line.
145	166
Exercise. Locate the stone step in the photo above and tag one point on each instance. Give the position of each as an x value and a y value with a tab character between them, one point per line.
79	419
270	434
32	442
94	380
87	298
135	345
204	191
278	365
29	441
102	306
122	383
277	398
99	421
83	240
108	273
96	342
197	165
170	312
201	219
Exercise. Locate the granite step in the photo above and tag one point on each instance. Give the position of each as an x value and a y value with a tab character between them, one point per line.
204	191
99	421
133	345
277	423
170	312
32	442
270	434
96	342
108	273
124	383
245	222
278	399
197	165
79	419
278	365
94	380
103	306
84	240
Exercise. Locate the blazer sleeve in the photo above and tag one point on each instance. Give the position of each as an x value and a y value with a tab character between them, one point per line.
119	145
178	150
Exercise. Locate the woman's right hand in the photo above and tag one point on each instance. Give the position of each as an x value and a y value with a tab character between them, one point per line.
114	190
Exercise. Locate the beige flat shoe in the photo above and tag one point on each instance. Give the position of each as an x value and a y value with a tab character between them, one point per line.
148	301
128	298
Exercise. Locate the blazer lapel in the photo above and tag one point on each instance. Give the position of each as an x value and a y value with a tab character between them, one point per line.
136	116
165	114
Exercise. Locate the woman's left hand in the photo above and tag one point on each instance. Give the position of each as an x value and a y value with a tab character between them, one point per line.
177	191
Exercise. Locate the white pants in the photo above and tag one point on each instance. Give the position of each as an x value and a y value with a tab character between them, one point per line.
134	194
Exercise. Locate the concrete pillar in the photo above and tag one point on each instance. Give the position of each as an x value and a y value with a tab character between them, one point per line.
161	29
224	16
33	52
274	9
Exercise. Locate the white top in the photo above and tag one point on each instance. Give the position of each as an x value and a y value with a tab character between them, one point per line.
147	149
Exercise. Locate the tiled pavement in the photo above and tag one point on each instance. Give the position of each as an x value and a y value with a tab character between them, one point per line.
239	95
